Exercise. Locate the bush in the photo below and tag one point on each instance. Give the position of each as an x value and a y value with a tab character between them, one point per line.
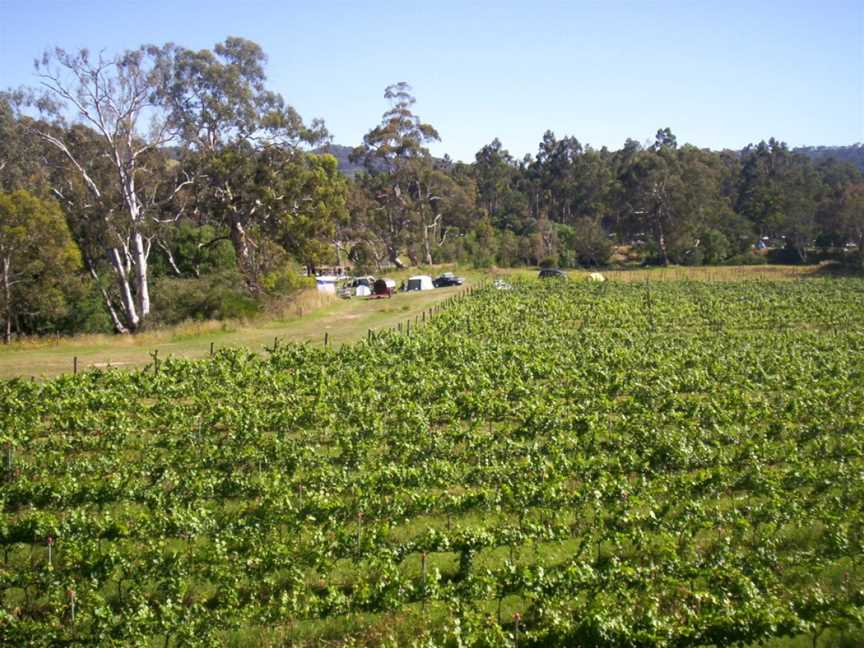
285	281
217	296
784	256
715	247
483	261
507	254
590	243
746	258
89	314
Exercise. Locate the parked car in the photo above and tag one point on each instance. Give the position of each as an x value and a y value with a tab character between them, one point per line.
448	279
552	273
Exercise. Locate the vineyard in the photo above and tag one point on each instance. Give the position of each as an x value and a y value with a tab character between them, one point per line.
642	464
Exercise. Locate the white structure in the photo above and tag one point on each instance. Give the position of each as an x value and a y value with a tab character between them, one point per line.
362	291
419	282
326	284
596	276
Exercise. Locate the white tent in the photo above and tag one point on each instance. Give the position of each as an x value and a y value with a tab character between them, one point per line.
326	284
419	282
362	291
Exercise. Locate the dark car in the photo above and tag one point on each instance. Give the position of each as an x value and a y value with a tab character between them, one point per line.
552	273
447	279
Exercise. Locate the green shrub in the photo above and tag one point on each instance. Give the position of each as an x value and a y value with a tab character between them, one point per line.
216	296
715	247
285	281
746	258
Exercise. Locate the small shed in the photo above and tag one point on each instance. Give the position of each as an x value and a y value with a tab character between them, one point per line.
419	282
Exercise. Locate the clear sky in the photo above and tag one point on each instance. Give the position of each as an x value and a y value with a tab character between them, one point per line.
720	73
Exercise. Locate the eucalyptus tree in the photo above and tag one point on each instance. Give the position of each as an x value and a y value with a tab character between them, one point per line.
414	196
113	104
779	191
16	155
679	198
306	199
650	181
494	168
239	135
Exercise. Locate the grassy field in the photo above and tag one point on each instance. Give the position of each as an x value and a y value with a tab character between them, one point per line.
307	321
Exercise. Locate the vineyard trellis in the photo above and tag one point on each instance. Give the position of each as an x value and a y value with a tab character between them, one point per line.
550	465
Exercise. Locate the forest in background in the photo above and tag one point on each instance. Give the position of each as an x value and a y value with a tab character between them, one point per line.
164	184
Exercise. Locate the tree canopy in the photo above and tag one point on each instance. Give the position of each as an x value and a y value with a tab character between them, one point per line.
181	172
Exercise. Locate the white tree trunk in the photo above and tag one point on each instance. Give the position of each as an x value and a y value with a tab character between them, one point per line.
106	298
427	248
111	96
139	258
7	296
130	311
240	241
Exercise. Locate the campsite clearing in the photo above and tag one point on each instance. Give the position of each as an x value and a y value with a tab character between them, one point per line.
343	320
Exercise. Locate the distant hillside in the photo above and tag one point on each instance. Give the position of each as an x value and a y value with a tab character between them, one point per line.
853	154
349	168
341	153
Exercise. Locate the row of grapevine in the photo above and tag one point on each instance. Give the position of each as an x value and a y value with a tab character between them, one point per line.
557	464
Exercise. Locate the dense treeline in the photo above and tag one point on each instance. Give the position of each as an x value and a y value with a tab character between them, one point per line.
166	183
854	153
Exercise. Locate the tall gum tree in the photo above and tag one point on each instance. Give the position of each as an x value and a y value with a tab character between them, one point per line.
414	195
237	133
117	100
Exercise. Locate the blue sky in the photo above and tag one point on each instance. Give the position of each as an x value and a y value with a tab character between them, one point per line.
720	74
